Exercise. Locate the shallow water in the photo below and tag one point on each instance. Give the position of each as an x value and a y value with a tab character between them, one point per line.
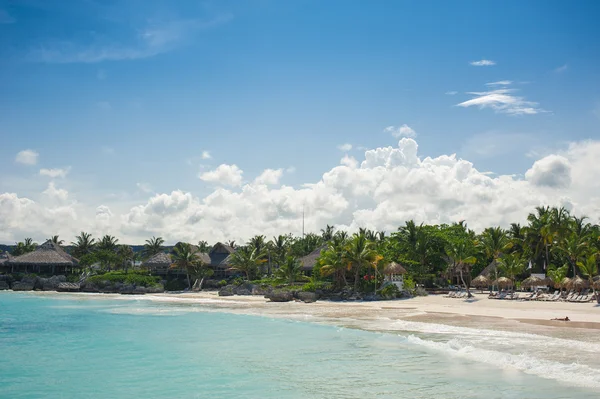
92	347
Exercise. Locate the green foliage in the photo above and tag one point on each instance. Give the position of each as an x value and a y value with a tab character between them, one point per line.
290	271
24	247
176	285
389	291
317	285
222	283
409	283
132	277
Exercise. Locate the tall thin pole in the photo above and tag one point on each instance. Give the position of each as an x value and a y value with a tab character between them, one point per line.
302	220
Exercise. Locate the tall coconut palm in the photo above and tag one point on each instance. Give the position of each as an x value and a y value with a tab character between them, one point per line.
557	274
589	268
55	239
25	246
83	245
185	257
290	270
107	243
494	242
332	260
461	258
511	265
231	243
203	246
359	253
280	249
125	253
247	261
574	247
327	233
153	246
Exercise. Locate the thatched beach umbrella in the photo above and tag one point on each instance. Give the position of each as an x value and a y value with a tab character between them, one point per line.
503	282
394	268
532	281
564	283
548	281
578	283
481	281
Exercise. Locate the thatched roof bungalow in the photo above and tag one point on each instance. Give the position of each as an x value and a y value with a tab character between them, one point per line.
217	259
309	261
47	258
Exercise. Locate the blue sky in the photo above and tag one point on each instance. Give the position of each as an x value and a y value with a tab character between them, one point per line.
124	97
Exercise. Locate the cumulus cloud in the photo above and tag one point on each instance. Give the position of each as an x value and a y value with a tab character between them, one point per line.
400	131
345	147
381	190
269	177
550	171
483	63
227	175
502	101
27	157
54	173
206	155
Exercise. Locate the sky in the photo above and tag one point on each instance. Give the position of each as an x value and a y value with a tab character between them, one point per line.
219	120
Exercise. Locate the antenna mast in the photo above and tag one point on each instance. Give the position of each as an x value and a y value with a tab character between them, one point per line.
302	220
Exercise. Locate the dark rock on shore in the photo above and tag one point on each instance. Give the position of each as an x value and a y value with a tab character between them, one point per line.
106	287
23	285
280	296
49	284
228	290
4	285
307	297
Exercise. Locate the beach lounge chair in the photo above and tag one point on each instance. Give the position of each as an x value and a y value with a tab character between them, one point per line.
531	297
575	298
554	298
502	295
584	298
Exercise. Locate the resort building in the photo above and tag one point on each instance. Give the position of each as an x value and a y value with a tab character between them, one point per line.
217	259
48	258
309	261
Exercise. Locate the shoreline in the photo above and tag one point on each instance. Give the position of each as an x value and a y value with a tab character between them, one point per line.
479	312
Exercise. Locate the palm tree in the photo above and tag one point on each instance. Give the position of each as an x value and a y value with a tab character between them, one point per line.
231	243
332	260
153	246
575	248
511	265
359	254
589	268
83	245
24	247
184	257
280	246
462	259
494	242
107	243
290	270
327	233
125	253
56	240
203	246
247	261
557	274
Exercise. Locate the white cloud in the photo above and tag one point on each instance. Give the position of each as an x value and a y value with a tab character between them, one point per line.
206	155
147	42
291	169
500	83
54	173
502	101
228	175
483	63
269	177
401	131
451	93
27	157
145	187
56	193
345	147
381	190
561	68
550	171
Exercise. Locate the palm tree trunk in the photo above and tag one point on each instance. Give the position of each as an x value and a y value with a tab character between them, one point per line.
356	277
187	274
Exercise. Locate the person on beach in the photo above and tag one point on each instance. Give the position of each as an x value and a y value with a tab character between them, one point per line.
565	319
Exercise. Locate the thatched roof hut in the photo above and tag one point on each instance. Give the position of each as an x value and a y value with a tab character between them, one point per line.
565	282
532	281
309	261
45	258
489	270
160	261
219	257
503	282
481	281
394	268
578	283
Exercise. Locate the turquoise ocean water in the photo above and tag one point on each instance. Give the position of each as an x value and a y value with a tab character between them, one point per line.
87	347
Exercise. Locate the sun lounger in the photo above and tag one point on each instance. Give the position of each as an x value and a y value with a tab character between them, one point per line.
530	297
554	298
584	298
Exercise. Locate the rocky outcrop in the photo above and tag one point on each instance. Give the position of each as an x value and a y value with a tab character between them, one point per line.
68	287
244	289
261	290
23	285
4	285
280	296
50	283
106	287
307	297
228	290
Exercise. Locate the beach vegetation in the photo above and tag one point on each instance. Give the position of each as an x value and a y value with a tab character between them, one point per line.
132	277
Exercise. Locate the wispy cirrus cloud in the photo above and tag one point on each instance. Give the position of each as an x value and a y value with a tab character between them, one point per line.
502	100
561	68
143	43
500	83
54	173
483	63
